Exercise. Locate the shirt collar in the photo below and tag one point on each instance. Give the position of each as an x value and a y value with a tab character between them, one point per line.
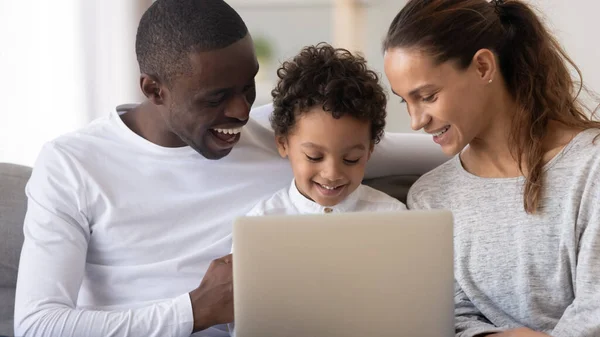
307	206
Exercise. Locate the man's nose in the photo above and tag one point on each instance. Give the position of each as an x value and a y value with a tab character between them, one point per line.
238	108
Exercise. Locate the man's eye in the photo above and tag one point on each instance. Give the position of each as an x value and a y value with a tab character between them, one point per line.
216	100
213	103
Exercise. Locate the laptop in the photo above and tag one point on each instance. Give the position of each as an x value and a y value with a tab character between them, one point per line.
344	275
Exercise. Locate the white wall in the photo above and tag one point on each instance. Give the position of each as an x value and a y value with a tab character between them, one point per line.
379	17
63	63
111	69
42	68
575	23
289	28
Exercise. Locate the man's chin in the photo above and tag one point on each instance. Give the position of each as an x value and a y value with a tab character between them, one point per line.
210	153
214	148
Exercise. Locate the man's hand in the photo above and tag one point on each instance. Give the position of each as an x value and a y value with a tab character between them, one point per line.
212	301
521	332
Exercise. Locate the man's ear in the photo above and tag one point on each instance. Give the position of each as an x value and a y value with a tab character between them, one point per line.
282	146
152	89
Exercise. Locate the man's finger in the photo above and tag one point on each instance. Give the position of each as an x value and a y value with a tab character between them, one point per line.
226	259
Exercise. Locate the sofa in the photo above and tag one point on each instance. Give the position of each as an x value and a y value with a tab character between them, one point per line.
12	212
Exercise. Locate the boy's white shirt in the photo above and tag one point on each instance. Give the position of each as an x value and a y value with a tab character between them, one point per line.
289	201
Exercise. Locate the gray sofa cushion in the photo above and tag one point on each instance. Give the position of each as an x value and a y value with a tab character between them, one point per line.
13	204
395	186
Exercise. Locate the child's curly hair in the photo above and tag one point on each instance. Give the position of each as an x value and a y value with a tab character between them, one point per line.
333	78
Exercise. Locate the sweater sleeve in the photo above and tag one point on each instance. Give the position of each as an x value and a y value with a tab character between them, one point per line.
582	317
469	321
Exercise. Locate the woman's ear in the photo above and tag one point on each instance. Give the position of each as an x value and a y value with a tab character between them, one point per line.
152	89
282	146
485	65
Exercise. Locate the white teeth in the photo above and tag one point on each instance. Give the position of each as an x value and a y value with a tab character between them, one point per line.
328	187
437	134
229	131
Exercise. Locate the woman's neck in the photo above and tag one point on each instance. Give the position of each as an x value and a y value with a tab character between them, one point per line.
490	156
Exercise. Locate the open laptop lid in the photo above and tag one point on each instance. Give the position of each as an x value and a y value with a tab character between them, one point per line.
352	274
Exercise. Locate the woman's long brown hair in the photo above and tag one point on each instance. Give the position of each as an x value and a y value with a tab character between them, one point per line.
532	62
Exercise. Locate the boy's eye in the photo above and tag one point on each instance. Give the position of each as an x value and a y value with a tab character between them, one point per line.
348	161
315	159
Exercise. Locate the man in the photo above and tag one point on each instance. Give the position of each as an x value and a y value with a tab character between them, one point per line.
125	216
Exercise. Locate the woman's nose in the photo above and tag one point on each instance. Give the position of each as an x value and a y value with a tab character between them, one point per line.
418	119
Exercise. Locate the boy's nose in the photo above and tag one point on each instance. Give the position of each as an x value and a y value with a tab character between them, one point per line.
332	174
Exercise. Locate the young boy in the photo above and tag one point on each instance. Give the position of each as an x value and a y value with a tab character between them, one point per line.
329	112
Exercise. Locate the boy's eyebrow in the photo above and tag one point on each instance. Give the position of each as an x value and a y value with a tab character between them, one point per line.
356	147
311	145
315	146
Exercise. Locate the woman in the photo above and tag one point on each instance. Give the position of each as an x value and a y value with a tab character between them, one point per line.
492	86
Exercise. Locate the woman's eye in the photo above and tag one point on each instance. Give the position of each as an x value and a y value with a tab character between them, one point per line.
313	158
348	161
429	99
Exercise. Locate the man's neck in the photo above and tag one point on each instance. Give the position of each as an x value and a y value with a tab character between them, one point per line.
146	121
